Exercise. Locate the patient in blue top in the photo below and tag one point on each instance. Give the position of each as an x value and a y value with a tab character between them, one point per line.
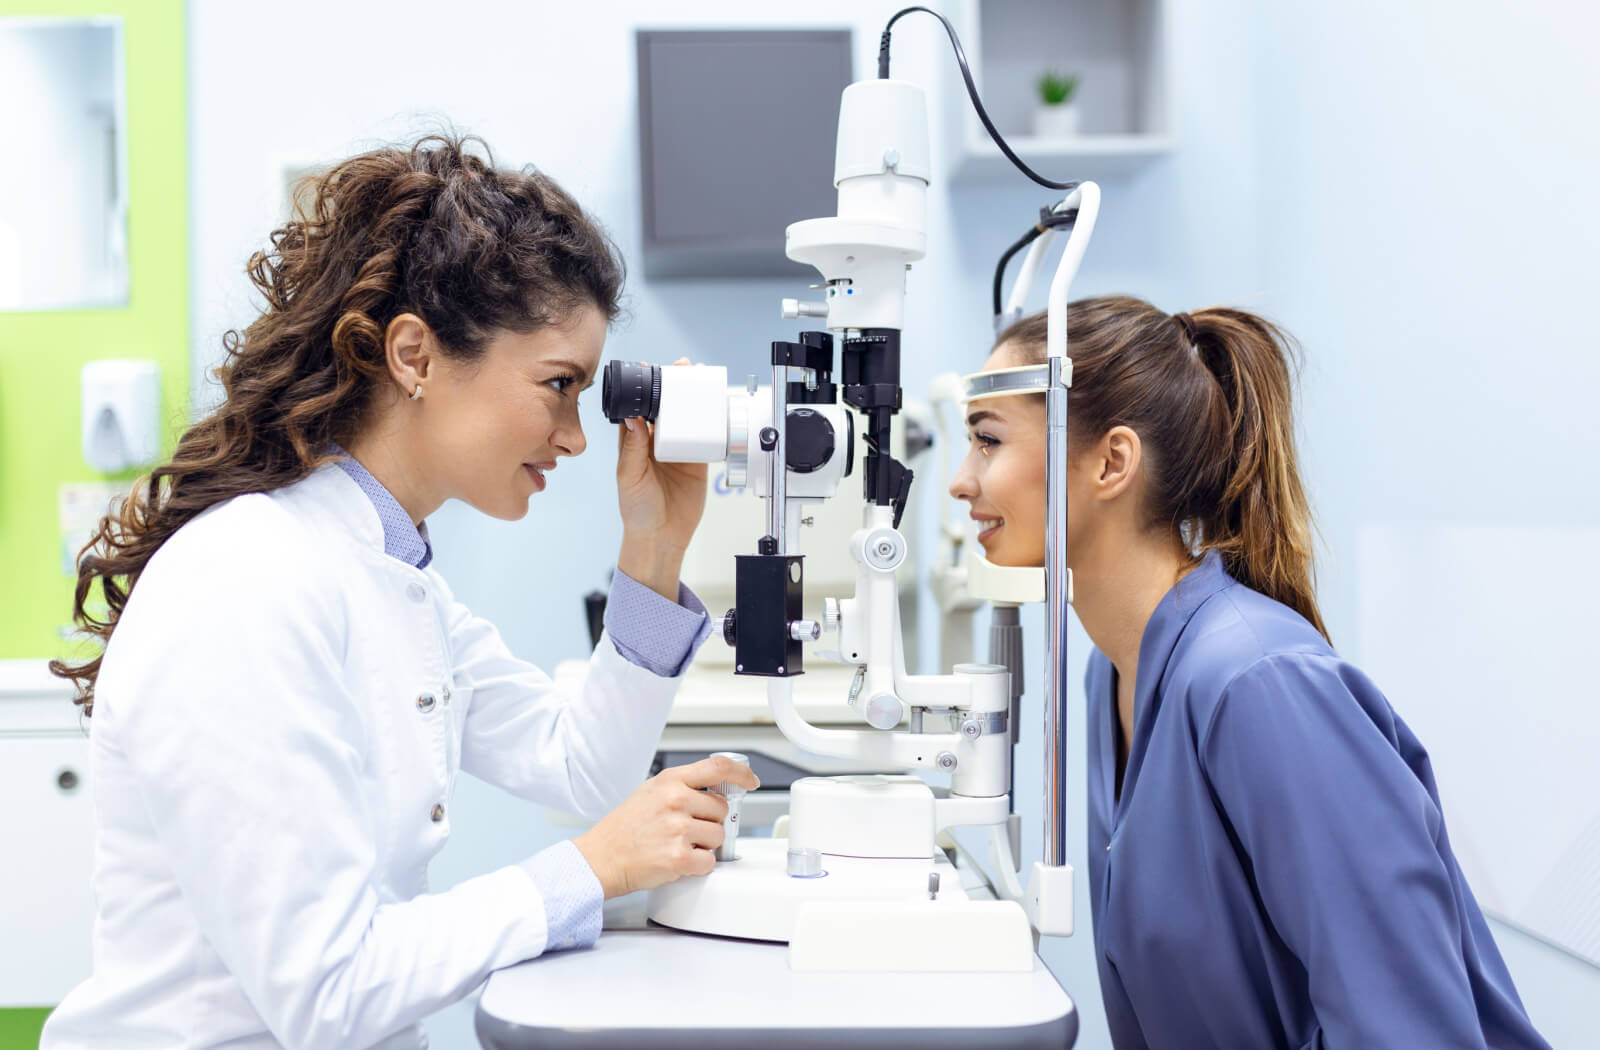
1268	863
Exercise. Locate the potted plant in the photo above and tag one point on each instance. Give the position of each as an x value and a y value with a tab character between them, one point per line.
1057	115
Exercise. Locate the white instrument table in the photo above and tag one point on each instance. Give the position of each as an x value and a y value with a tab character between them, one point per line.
648	986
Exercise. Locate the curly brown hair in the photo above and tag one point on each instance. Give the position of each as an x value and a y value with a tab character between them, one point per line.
432	229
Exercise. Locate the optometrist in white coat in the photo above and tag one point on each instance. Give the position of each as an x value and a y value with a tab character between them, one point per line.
289	689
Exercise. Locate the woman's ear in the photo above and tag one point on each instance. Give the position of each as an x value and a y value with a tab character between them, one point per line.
1120	456
407	353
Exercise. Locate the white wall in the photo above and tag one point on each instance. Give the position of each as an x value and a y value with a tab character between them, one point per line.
1321	175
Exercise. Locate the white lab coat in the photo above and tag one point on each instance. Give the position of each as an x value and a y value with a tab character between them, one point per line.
278	725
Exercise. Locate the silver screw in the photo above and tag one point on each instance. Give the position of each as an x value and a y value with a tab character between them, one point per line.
946	761
933	885
738	667
972	729
780	668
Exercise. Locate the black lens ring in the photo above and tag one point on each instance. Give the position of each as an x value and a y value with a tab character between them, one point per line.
630	391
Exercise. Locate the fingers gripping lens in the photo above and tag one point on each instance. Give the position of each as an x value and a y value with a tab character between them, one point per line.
630	391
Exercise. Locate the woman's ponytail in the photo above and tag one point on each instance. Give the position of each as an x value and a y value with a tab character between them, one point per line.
1261	523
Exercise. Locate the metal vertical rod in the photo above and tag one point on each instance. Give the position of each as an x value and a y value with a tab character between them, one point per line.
1056	591
777	488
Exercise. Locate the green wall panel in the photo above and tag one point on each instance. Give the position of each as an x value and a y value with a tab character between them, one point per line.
19	1029
41	352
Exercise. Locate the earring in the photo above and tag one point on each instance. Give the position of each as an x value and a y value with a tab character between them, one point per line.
417	393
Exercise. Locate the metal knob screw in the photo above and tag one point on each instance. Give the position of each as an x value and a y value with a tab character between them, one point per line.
805	862
805	630
972	729
734	793
793	308
946	760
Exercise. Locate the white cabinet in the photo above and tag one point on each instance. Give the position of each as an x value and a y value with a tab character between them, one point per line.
46	846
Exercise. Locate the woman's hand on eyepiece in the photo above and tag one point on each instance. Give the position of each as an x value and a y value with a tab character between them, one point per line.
661	505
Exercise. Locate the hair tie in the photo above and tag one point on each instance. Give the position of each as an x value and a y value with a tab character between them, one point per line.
1191	331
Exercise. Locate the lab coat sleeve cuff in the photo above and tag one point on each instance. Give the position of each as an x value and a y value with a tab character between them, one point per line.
651	632
573	898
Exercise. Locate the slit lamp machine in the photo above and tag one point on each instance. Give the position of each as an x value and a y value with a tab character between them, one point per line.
860	880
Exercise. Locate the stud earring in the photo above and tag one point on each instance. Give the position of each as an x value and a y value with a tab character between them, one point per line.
416	395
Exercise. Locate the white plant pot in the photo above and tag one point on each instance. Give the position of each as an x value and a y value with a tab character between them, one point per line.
1056	122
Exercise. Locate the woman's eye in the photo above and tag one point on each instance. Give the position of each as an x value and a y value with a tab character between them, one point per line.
561	383
985	442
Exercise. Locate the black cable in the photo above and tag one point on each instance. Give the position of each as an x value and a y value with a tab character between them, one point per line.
972	91
1048	220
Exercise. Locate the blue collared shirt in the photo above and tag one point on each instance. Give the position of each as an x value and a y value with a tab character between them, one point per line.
648	631
1275	870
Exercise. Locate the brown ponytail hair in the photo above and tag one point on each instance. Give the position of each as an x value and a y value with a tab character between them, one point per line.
1209	394
431	229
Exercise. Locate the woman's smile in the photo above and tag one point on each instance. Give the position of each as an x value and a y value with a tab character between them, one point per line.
537	474
987	527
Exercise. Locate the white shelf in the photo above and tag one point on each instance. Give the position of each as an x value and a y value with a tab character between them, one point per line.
1081	157
1120	50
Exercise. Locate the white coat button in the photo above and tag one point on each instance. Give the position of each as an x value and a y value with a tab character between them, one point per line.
447	696
425	703
438	813
416	592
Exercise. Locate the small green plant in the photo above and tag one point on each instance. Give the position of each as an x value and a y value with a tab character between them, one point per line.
1057	89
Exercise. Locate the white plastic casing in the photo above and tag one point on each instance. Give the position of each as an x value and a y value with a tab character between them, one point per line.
878	117
881	169
818	484
1015	584
911	937
862	816
692	423
692	426
1049	899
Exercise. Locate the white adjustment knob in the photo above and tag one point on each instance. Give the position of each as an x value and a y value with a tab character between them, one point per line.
830	614
884	711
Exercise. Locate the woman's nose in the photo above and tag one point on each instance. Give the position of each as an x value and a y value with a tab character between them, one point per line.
571	441
965	484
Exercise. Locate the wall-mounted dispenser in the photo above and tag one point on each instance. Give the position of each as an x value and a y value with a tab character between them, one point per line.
121	414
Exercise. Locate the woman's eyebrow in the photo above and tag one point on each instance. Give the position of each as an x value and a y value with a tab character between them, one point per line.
979	416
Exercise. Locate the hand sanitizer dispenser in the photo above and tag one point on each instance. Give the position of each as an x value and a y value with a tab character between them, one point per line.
121	414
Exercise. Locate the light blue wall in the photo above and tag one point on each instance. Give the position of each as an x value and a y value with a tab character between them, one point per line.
1430	232
1333	171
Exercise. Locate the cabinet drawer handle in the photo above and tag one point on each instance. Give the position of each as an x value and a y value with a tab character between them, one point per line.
67	780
